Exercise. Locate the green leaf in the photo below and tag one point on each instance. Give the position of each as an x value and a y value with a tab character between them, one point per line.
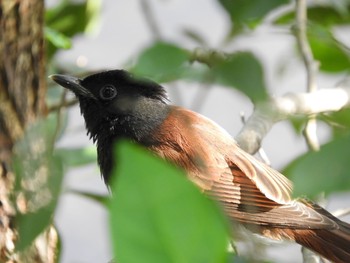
298	123
341	117
71	18
161	62
332	54
68	19
101	199
339	121
243	71
157	215
78	156
326	16
39	175
327	50
249	12
324	171
58	250
57	39
30	225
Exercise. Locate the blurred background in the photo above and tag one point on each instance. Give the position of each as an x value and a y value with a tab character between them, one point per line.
118	33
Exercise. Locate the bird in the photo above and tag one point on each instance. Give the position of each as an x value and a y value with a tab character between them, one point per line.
116	105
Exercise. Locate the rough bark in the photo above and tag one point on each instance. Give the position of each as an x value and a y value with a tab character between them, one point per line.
22	92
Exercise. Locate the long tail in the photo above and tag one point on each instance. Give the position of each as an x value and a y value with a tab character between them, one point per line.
332	244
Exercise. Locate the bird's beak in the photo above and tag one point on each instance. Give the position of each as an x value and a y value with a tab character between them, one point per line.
73	84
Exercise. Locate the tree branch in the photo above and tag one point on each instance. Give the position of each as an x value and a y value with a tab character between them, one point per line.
150	19
63	104
310	131
341	212
267	113
157	36
301	35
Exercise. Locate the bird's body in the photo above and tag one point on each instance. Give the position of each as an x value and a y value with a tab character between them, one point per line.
116	105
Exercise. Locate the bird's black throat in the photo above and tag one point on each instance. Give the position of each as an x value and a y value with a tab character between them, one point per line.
137	125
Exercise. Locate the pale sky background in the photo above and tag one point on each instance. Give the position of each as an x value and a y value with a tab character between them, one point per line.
83	224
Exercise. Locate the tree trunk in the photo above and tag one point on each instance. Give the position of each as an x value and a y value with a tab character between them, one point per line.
22	101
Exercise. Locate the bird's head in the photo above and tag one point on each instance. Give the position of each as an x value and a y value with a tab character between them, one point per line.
116	100
116	104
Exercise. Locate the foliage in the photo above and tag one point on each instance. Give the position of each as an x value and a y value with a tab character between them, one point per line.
152	220
157	212
39	174
322	171
162	62
68	19
333	54
37	165
235	71
249	13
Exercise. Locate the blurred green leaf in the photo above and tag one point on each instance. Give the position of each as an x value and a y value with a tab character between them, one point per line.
249	12
326	16
39	175
93	10
30	225
339	121
74	157
53	95
71	18
333	55
101	199
161	62
57	39
53	122
324	171
233	258
341	117
243	71
327	50
68	19
298	123
157	215
58	250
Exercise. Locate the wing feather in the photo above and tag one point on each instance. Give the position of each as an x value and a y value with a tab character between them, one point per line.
249	191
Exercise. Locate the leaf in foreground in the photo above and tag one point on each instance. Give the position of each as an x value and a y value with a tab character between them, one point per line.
161	62
243	71
324	171
157	215
39	176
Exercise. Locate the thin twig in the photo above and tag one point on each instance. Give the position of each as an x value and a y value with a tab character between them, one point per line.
59	116
150	21
202	93
200	97
304	47
156	34
341	212
310	131
63	104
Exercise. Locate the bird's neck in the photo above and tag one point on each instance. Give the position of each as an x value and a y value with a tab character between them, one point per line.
138	126
147	115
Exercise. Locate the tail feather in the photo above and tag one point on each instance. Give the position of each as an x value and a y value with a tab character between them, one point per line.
332	241
333	245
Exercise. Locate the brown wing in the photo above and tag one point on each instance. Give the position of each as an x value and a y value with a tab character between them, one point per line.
249	191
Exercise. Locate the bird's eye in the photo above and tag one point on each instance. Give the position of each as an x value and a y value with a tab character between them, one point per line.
108	92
